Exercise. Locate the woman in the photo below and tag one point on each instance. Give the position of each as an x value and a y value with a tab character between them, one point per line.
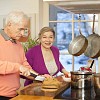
44	58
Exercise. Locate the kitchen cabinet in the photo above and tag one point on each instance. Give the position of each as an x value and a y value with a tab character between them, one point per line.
77	6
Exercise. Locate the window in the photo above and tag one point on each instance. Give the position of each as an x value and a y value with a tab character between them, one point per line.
66	26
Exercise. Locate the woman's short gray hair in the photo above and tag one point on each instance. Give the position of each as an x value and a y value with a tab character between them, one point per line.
15	17
46	29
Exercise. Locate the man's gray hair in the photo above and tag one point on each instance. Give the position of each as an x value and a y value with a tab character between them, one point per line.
15	17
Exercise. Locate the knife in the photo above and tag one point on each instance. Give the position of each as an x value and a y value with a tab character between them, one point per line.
37	77
33	75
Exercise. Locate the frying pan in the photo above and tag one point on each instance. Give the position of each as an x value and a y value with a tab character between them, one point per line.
78	45
93	48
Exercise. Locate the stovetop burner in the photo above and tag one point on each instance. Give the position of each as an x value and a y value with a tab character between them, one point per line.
78	94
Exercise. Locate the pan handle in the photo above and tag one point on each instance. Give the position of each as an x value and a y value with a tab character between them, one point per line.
93	24
80	25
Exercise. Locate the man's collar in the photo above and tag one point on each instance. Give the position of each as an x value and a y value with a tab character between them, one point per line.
6	37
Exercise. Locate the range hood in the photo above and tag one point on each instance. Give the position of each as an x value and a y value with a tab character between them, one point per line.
77	6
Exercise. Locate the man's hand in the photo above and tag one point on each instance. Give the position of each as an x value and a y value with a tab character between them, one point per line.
24	71
27	72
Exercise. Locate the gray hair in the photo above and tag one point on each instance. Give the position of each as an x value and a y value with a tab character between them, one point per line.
15	17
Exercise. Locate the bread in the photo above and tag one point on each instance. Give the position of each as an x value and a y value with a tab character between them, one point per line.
51	83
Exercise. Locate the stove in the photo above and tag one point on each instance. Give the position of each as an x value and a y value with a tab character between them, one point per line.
78	94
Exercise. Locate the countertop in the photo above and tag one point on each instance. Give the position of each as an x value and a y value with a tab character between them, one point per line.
29	97
78	94
67	94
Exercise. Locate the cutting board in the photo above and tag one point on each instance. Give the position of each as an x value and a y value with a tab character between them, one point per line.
36	89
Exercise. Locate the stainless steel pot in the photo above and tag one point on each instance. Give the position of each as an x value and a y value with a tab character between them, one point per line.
97	83
81	79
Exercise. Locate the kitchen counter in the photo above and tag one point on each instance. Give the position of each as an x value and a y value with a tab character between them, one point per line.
67	94
78	94
28	97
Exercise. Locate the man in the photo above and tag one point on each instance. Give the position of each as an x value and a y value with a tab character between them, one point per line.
13	62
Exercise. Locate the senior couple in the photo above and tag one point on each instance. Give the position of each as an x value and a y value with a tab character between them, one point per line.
42	59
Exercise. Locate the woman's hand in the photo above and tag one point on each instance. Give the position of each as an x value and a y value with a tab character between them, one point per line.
67	74
47	76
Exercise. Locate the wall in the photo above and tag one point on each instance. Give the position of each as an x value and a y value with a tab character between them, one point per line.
45	14
30	7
